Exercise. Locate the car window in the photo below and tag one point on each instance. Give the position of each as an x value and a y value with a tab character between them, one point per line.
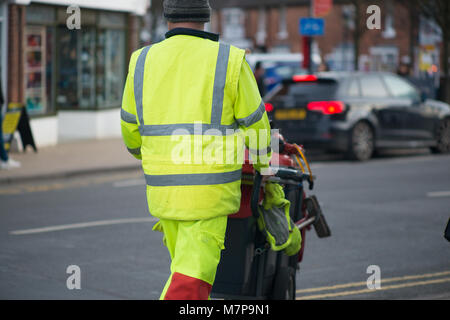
295	94
311	91
353	89
373	87
400	88
286	71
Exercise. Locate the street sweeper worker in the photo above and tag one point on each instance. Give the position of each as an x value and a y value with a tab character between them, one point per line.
190	104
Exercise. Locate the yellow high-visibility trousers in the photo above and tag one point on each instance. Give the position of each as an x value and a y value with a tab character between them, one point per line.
195	248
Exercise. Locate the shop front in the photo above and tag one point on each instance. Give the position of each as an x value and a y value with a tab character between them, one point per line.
73	78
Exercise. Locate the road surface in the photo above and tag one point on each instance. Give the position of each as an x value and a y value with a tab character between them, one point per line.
389	213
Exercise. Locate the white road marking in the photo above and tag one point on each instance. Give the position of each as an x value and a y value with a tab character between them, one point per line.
83	225
438	194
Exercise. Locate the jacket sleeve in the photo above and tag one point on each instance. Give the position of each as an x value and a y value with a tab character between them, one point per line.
252	118
128	115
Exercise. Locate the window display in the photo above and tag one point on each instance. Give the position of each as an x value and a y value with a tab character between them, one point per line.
76	81
86	69
35	75
110	67
67	96
89	68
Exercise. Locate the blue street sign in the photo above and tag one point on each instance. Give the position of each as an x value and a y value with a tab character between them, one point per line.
312	27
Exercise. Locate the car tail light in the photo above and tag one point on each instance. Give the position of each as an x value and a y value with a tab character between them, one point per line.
327	107
269	107
304	78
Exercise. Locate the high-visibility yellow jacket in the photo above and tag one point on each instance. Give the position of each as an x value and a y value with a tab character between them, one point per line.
188	102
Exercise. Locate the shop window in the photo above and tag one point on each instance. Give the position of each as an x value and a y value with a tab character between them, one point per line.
67	84
76	81
38	69
110	68
91	68
86	69
73	69
38	60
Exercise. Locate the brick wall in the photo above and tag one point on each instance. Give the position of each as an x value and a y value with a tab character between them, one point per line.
401	25
16	26
335	33
132	35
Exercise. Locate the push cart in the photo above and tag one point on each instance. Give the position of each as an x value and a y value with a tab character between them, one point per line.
249	269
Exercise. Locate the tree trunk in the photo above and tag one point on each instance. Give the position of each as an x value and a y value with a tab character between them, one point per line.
413	18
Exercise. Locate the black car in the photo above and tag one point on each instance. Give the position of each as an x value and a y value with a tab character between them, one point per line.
358	113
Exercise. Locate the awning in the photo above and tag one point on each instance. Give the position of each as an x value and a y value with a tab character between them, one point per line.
138	7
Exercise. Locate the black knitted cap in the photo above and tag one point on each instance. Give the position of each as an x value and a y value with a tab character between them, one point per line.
187	10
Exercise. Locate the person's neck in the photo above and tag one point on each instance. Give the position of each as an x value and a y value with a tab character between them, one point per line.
190	25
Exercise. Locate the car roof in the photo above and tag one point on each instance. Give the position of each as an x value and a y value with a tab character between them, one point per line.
274	56
253	58
338	75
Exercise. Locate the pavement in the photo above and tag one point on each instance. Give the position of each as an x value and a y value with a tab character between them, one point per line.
70	159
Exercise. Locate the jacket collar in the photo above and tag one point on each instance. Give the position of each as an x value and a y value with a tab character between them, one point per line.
193	32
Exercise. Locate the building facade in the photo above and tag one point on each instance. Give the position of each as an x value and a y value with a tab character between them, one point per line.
70	77
273	26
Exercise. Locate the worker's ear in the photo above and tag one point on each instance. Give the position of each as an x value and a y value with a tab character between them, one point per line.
248	51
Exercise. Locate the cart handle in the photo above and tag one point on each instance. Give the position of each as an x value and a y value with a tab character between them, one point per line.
282	176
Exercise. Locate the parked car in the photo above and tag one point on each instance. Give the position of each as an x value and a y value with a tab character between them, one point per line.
358	113
280	66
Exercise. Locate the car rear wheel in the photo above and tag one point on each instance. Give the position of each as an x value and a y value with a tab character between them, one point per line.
443	138
361	146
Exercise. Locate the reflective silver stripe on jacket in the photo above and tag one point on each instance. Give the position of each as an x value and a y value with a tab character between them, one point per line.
139	83
217	103
128	117
192	179
254	117
220	79
215	128
188	128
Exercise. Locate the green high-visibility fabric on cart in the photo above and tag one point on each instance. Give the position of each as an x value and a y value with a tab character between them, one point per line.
274	220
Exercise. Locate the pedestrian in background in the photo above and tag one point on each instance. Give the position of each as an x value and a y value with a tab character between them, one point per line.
404	70
5	161
187	82
323	67
259	76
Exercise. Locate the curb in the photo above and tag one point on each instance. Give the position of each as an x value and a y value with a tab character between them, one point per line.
67	174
